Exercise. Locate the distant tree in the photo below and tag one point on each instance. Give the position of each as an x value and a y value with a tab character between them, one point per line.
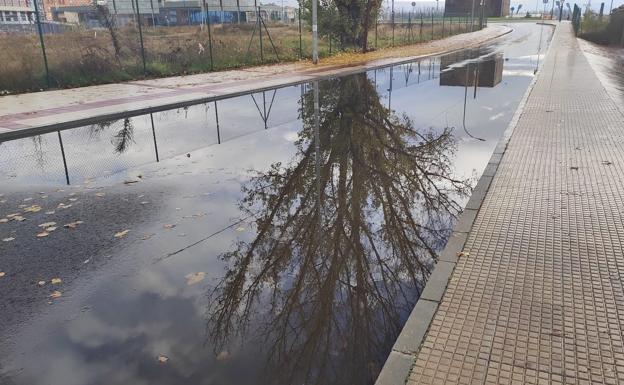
518	9
512	10
348	20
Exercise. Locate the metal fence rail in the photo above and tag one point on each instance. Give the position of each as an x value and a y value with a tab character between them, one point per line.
101	44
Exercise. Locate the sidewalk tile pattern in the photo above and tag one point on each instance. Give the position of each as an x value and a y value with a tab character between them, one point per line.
540	297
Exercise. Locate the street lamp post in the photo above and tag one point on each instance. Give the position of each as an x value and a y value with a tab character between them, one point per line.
314	32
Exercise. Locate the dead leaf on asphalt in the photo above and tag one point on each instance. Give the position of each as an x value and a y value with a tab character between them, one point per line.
51	228
33	209
463	254
240	229
43	234
55	294
47	224
9	239
128	182
73	199
55	281
41	283
163	359
2	274
169	226
18	218
3	220
147	236
27	199
64	206
50	212
100	194
72	225
13	215
223	355
121	234
194	278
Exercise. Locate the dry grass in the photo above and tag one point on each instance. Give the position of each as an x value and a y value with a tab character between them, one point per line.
86	57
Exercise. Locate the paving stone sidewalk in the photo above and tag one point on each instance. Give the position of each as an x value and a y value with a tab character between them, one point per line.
537	296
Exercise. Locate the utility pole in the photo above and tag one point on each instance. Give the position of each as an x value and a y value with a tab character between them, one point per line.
314	32
561	9
472	16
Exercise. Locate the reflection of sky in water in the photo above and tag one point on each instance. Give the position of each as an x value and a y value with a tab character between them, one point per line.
125	315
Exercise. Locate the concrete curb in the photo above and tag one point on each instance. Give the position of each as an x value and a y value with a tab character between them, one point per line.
397	368
304	78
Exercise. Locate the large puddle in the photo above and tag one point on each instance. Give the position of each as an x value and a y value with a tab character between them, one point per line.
255	240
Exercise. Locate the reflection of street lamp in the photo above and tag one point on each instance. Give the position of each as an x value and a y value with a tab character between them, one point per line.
437	4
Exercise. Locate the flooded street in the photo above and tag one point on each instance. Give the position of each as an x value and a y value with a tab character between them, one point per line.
252	240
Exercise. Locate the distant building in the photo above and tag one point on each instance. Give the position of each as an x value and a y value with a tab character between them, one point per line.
17	12
493	8
49	5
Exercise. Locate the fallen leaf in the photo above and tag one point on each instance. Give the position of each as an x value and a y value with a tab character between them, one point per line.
193	278
47	224
13	215
43	234
3	220
50	212
574	168
18	218
163	359
73	199
169	226
55	294
33	209
463	254
72	225
72	194
223	355
239	229
55	281
144	203
41	283
51	228
121	233
27	199
64	206
2	274
606	163
87	261
8	239
131	181
147	236
100	194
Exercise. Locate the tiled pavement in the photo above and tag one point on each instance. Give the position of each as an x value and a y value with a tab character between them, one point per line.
538	296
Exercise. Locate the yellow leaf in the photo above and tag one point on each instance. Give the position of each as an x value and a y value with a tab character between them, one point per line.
33	209
55	281
163	359
194	278
47	224
55	294
19	218
121	234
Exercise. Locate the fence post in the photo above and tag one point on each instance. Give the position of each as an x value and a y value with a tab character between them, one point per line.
376	22
393	23
442	26
421	26
45	57
141	37
300	41
207	21
260	27
432	32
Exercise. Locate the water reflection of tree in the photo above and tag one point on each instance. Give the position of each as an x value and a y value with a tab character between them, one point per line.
341	250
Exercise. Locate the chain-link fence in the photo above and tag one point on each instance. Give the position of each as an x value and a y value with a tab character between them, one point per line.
117	40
